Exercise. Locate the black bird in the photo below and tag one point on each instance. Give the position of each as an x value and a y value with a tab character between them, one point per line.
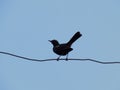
65	48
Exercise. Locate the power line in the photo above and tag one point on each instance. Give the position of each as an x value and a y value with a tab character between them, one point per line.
70	59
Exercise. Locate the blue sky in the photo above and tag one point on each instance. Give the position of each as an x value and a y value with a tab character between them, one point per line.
27	25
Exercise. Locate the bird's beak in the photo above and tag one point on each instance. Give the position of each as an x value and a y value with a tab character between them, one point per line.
49	40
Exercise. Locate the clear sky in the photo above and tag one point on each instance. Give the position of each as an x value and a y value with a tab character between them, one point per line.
27	25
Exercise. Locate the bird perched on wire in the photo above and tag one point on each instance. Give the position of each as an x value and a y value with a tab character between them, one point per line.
65	48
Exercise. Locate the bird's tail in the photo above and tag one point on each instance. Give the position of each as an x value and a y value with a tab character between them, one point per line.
74	38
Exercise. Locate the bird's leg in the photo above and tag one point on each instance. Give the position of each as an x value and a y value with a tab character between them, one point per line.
67	57
58	58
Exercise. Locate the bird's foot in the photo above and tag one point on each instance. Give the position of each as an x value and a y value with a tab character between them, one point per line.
66	59
58	59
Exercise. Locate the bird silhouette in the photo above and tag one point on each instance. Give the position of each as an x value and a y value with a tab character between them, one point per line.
64	48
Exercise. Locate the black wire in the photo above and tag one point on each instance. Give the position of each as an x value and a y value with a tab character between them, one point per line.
71	59
26	58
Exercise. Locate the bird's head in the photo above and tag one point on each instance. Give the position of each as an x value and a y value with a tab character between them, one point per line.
54	42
